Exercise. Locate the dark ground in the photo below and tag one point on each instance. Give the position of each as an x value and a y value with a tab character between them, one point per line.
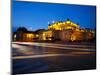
69	61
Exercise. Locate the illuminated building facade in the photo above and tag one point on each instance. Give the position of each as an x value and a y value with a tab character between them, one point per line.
24	35
27	36
65	35
49	35
63	26
64	31
69	31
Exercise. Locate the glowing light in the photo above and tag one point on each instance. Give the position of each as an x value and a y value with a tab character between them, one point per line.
63	25
73	38
53	21
69	27
44	38
15	36
68	22
30	35
37	35
47	35
50	39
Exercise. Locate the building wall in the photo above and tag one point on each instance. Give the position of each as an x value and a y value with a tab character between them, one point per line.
63	25
77	36
65	35
28	37
46	35
51	35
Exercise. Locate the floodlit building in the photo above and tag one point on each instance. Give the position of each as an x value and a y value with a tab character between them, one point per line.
49	35
46	35
65	35
26	36
77	36
23	35
64	31
63	26
69	31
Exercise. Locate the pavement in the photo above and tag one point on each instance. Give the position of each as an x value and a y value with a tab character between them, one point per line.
35	57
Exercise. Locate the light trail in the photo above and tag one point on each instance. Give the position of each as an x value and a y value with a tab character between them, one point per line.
40	56
35	43
52	55
54	46
24	48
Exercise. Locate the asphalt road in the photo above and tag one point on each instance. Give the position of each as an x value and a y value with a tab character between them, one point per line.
50	57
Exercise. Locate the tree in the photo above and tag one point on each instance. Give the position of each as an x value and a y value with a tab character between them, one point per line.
22	29
68	19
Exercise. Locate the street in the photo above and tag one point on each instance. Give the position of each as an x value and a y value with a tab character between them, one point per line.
34	57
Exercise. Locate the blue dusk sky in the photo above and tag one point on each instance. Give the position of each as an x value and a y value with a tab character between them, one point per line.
37	15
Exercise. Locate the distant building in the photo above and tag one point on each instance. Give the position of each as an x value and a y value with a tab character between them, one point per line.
64	31
69	31
46	35
21	35
63	26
